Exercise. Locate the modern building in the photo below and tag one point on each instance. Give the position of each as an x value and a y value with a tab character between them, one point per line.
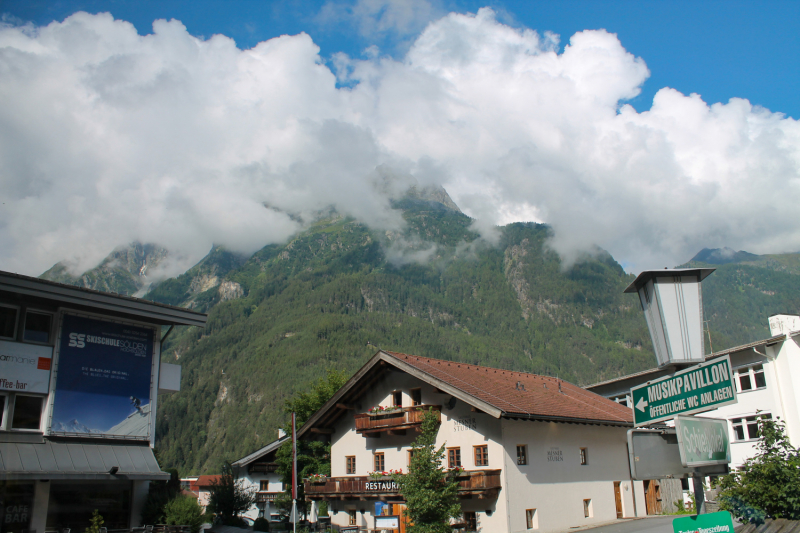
767	377
537	452
80	377
259	473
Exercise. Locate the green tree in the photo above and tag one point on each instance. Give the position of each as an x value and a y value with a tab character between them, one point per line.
313	456
767	485
229	497
158	495
184	511
430	491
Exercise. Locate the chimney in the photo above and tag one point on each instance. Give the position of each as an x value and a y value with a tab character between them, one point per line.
783	324
672	302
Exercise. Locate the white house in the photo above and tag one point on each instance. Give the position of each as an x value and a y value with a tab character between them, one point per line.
259	471
537	452
767	376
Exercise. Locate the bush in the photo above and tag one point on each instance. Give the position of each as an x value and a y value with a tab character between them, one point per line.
184	511
261	524
767	485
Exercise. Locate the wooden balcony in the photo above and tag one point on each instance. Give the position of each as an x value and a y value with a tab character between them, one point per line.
264	468
479	483
394	422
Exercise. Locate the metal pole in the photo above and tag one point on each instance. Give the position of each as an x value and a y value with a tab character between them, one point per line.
699	494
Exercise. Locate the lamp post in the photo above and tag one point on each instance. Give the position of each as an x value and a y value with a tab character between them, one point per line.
672	301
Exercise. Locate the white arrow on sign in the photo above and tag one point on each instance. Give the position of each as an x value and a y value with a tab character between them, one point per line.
642	404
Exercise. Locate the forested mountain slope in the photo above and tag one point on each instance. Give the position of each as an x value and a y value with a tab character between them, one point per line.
744	291
317	301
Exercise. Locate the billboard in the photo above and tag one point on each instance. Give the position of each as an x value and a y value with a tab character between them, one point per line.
25	367
103	378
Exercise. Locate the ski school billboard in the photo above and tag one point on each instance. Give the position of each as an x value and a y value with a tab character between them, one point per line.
103	378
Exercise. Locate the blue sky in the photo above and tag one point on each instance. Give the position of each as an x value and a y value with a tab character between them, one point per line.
237	123
719	49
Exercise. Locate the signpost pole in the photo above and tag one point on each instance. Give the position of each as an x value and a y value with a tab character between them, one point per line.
699	494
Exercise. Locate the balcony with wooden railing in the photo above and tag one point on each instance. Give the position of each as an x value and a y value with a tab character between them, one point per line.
393	422
479	483
266	497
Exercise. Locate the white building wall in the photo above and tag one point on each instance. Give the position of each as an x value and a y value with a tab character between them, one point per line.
555	483
252	481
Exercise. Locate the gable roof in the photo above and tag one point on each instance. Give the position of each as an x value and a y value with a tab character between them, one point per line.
258	454
499	393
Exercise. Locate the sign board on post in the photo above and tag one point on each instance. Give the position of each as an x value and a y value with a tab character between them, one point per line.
698	388
713	523
703	441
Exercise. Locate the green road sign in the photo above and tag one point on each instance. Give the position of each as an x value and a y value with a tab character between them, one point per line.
704	523
703	441
698	388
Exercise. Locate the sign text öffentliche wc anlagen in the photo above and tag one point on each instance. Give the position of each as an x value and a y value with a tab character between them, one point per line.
698	388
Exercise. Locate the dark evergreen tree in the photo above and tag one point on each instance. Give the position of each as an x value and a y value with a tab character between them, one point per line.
430	491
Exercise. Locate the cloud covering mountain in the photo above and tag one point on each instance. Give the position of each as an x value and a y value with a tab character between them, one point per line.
108	136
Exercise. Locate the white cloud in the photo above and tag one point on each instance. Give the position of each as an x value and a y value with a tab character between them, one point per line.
107	136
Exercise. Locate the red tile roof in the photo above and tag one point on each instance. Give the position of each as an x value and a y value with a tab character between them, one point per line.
205	481
520	393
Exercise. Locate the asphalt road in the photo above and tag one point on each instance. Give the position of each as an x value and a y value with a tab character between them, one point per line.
656	524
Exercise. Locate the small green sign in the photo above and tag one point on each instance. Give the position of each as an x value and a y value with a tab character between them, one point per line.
704	523
698	388
703	441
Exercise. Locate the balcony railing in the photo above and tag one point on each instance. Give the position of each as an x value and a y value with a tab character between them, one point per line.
482	483
263	497
398	420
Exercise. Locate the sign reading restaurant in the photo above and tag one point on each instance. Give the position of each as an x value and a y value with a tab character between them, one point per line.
699	388
382	486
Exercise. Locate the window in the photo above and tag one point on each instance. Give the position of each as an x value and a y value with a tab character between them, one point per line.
416	396
263	485
397	398
482	455
352	513
27	412
380	464
37	327
3	399
470	521
751	378
584	458
453	457
747	428
531	519
351	464
8	322
522	454
410	456
587	508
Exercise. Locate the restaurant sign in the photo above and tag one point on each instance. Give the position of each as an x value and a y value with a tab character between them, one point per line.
382	486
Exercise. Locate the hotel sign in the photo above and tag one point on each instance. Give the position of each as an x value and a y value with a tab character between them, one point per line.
703	441
699	388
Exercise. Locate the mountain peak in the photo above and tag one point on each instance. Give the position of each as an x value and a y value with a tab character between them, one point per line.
722	256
